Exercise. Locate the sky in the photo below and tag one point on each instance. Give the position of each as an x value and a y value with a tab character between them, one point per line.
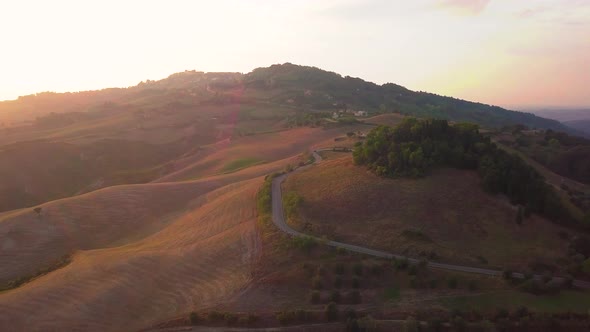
512	53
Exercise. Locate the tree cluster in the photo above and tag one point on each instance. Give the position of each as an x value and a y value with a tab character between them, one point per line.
416	146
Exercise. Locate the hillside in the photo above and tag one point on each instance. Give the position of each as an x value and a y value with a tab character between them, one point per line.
306	88
202	257
55	145
445	214
148	199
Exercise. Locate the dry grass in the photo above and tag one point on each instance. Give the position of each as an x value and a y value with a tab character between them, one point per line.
202	257
389	119
269	147
454	217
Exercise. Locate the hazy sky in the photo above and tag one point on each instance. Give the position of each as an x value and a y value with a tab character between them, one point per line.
513	53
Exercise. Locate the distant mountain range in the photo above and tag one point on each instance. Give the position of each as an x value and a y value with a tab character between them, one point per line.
298	87
578	119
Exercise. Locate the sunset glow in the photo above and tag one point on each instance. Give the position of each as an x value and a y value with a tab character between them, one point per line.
510	53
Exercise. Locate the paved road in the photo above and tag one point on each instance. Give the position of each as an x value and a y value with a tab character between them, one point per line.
278	217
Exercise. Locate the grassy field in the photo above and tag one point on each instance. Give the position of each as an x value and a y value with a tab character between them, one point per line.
241	163
444	216
147	251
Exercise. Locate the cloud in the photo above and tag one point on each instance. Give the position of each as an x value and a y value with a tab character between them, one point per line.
465	7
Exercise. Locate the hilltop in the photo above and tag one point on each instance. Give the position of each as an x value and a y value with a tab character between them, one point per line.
308	88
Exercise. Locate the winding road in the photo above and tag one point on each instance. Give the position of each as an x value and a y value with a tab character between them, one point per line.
278	218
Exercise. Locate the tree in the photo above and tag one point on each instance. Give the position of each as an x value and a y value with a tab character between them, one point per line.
331	311
411	325
315	297
355	297
193	318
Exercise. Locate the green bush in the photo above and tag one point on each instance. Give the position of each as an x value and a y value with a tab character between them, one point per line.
230	318
452	283
284	317
331	311
356	283
315	297
193	318
335	296
401	264
358	269
316	282
337	282
215	316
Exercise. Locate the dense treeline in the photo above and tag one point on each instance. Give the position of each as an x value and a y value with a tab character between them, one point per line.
416	146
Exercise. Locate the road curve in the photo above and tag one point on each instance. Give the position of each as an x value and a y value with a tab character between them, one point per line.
278	218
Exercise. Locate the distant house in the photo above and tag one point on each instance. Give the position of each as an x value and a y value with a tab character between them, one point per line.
361	113
335	115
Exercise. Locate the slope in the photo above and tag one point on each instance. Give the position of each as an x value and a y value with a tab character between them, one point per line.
443	216
203	256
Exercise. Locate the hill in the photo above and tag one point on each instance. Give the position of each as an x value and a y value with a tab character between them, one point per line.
582	125
445	216
202	257
306	88
318	89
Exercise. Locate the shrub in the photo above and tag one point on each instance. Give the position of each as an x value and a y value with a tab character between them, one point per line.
433	283
459	324
411	325
303	243
320	270
230	319
316	282
337	282
193	318
252	318
358	269
331	311
215	316
522	311
507	274
302	315
501	313
335	296
339	268
341	251
355	297
413	270
284	317
352	325
315	297
351	314
547	276
473	285
452	282
356	283
376	269
401	264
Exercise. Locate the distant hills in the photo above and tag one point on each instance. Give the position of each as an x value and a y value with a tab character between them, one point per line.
578	119
305	88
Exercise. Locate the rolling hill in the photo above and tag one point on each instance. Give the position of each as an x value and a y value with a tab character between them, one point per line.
150	192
